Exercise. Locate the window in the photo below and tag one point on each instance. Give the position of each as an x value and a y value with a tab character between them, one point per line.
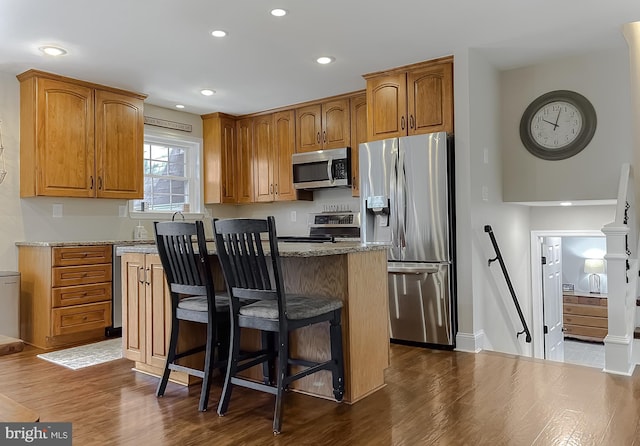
171	176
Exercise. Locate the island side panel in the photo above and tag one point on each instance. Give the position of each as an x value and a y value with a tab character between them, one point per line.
368	321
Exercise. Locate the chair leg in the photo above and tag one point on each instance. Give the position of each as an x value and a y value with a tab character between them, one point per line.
283	362
208	369
232	366
268	367
223	331
337	372
171	355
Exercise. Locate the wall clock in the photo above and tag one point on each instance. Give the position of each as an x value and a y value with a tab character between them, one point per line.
558	125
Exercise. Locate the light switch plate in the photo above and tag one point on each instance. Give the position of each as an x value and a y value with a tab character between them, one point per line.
122	211
57	210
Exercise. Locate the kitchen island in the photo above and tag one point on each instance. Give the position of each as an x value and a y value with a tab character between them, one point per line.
352	272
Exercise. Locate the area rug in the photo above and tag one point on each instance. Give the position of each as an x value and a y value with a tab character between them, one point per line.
86	355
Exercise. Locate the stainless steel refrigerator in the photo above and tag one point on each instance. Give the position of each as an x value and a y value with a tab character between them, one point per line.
406	193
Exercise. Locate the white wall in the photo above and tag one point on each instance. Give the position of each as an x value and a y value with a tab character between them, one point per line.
30	219
574	251
494	311
602	77
549	218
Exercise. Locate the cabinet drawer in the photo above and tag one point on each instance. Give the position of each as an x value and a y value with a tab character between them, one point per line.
81	255
588	321
82	294
80	275
591	332
585	310
584	300
80	318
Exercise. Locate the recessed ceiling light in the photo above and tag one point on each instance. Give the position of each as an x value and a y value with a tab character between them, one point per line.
179	106
207	92
566	203
278	12
53	50
218	33
324	60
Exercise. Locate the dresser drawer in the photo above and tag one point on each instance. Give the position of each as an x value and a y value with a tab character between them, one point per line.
590	332
80	318
584	300
80	275
589	321
585	310
81	255
81	294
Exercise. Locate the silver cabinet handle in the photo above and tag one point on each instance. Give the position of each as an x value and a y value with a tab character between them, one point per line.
431	269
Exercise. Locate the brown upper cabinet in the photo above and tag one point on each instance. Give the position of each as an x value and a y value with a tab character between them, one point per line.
219	160
244	160
79	139
411	100
358	136
273	145
323	126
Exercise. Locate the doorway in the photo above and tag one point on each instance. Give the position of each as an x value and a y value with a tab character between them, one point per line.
577	246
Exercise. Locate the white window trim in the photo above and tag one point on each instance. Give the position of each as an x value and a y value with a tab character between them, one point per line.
154	134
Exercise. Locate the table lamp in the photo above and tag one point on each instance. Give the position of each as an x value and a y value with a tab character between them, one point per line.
594	267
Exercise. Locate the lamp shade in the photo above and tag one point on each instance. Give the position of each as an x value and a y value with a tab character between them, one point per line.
594	266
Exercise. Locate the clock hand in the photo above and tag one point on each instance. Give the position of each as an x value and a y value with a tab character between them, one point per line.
549	122
555	126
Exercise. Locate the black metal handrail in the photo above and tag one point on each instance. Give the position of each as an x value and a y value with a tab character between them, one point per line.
498	257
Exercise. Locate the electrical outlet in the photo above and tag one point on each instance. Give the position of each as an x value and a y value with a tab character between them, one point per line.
57	210
485	155
122	211
485	193
293	216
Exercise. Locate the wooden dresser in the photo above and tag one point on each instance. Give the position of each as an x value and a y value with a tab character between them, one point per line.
585	316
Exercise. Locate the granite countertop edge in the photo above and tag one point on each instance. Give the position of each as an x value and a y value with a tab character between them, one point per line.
286	249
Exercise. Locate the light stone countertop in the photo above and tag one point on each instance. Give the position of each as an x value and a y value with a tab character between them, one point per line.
286	249
87	243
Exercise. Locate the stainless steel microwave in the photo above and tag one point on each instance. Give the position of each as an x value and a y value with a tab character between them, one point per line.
323	168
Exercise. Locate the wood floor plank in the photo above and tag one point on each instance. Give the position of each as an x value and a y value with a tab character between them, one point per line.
432	398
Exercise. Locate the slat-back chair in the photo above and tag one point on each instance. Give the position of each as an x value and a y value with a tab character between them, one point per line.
248	276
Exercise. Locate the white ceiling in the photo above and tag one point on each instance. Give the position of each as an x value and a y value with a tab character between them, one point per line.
164	48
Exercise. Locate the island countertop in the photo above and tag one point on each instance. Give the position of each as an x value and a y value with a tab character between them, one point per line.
285	249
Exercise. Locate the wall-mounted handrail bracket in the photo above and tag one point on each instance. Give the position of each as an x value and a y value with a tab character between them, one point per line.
498	257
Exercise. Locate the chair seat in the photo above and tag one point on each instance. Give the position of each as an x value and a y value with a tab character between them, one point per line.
199	303
298	307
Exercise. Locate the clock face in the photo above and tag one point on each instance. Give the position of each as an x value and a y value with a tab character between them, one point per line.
556	124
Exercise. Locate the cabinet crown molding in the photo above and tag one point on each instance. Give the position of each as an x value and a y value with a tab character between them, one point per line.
428	63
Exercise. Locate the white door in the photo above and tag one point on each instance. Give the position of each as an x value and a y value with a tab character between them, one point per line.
552	298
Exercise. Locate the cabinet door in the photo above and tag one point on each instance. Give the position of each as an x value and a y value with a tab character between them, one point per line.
64	141
119	146
284	147
335	124
133	307
244	168
430	99
219	159
309	128
358	136
158	312
387	106
264	158
228	159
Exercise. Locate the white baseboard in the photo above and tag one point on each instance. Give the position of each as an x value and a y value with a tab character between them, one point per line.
470	342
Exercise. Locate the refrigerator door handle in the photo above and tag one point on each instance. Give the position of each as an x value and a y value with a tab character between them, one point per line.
393	192
402	202
413	269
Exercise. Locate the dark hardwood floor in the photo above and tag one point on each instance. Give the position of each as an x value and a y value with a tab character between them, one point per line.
431	398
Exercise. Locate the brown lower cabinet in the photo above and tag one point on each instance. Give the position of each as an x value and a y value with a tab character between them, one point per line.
65	294
146	318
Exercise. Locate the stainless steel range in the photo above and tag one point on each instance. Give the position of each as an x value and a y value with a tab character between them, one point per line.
330	227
